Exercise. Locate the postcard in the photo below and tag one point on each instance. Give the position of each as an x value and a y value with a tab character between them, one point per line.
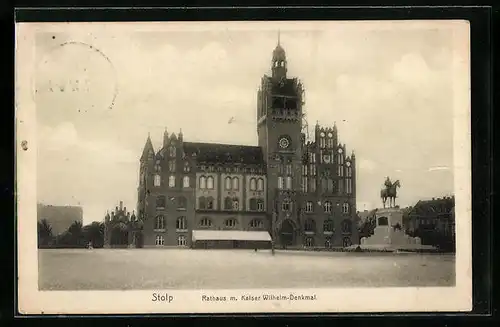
230	167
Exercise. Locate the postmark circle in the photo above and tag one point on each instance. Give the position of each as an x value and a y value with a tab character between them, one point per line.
76	76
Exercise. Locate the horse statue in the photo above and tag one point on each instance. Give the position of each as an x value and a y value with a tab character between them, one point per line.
390	192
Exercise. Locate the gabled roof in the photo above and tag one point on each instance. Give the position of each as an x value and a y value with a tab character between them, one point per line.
224	153
433	207
147	148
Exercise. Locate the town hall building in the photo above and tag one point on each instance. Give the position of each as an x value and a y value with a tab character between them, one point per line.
295	192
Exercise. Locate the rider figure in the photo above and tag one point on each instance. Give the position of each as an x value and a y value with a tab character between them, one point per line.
388	183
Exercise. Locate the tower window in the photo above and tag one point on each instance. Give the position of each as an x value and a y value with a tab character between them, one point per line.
236	204
236	183
280	182
289	169
157	180
348	171
228	183
288	183
202	203
187	168
171	181
172	151
327	207
285	206
349	186
157	166
253	184
345	207
309	206
210	182
260	185
185	182
210	203
203	182
171	166
260	204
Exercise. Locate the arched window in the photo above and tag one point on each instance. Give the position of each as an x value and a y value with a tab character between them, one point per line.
346	226
253	204
253	184
171	166
230	223
187	168
159	240
228	204
172	151
205	222
348	171
161	202
309	242
260	184
171	181
157	166
157	181
160	222
228	183
185	182
345	207
285	206
288	182
280	182
181	240
236	183
340	170
256	223
349	185
310	226
181	202
327	206
203	182
236	204
202	203
328	226
210	203
210	182
181	223
309	206
260	204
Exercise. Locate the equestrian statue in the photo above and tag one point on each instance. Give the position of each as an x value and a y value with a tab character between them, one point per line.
390	192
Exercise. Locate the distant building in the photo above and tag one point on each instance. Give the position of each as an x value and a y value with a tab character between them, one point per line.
433	221
303	193
59	217
122	229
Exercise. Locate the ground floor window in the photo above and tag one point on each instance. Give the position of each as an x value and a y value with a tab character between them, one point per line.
346	242
328	243
309	242
181	240
159	240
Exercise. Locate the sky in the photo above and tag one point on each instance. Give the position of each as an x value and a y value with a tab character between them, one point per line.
389	91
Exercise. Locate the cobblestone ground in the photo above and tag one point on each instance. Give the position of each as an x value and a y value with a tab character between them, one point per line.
110	269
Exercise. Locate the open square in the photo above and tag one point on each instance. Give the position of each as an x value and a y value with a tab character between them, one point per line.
150	269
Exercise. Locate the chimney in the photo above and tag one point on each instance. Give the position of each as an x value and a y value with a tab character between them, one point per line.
121	205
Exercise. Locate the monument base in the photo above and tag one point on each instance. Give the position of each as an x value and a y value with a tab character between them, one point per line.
388	234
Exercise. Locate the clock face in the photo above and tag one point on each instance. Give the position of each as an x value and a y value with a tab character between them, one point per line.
284	143
330	135
348	164
322	134
340	151
326	158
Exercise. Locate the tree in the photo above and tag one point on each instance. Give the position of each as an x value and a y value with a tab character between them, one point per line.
44	233
76	237
94	233
367	227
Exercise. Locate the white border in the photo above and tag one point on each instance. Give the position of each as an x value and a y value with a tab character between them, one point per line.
32	301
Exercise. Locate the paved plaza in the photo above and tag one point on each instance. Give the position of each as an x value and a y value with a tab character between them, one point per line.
141	269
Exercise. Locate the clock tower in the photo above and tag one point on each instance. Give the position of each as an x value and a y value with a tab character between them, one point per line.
279	128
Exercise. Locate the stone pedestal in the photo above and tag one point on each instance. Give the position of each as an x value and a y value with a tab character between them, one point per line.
389	234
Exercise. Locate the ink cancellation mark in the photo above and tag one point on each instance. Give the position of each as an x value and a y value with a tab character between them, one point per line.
72	70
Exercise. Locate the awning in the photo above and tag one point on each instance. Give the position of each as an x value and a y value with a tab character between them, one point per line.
230	235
